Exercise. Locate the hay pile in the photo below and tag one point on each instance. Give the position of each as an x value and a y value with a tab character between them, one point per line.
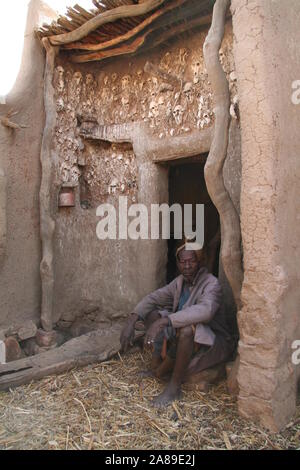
108	407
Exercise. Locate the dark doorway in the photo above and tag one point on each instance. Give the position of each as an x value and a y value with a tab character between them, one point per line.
187	186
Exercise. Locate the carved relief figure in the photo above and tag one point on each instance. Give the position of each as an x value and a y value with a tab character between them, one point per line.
59	80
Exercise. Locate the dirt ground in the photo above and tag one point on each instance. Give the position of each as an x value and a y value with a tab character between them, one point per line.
106	406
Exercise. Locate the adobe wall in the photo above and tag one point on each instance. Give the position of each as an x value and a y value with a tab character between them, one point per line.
105	279
93	278
20	250
267	57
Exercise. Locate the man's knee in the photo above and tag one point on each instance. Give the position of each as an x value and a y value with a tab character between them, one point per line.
186	332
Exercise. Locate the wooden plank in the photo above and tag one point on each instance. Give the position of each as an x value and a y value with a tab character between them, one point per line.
125	2
126	24
74	23
117	28
110	4
93	347
87	15
117	3
62	21
57	29
76	16
54	28
104	18
131	23
179	29
98	6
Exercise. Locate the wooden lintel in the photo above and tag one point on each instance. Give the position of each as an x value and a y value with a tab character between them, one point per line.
182	146
185	145
115	133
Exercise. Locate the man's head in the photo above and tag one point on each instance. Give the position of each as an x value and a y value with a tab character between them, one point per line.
189	262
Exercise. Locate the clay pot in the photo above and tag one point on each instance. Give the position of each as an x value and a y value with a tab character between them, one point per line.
66	197
13	350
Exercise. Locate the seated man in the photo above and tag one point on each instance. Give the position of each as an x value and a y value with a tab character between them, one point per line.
185	324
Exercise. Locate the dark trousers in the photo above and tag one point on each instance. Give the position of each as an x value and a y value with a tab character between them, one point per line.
203	357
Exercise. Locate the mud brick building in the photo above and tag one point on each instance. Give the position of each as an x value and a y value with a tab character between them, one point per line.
125	100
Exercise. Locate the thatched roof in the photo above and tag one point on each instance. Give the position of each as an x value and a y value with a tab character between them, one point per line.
118	27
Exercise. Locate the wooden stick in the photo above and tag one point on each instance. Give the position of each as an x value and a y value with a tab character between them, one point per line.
101	55
76	16
103	18
83	12
129	34
230	224
135	45
181	28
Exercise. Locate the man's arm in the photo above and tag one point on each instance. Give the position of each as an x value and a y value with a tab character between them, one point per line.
127	334
203	311
161	299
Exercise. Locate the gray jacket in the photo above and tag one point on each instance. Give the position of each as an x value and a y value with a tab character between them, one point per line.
204	307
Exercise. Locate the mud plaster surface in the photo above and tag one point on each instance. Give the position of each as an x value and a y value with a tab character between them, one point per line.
265	55
124	92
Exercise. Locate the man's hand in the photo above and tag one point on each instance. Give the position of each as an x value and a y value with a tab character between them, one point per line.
155	329
127	334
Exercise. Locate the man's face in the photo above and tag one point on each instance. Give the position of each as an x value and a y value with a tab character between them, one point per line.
188	264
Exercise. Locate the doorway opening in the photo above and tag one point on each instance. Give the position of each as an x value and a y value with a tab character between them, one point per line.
187	186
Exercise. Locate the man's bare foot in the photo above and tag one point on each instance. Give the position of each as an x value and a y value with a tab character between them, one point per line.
170	394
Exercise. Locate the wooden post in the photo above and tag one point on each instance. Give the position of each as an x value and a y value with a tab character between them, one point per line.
47	224
231	253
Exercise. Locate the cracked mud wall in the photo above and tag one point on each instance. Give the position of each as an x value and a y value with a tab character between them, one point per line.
107	278
167	89
19	162
267	55
93	278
